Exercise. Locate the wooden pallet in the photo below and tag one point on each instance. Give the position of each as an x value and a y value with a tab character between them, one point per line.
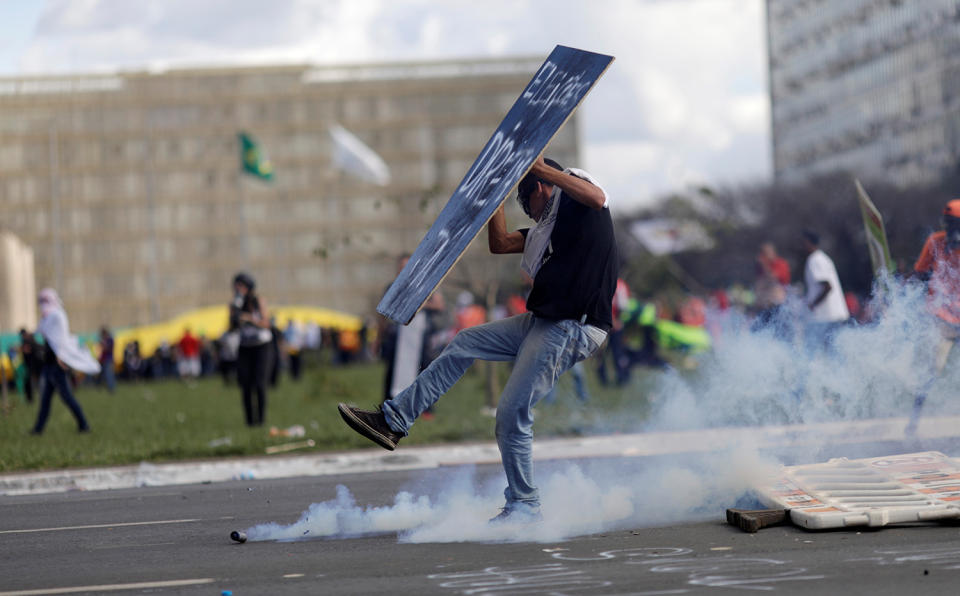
752	520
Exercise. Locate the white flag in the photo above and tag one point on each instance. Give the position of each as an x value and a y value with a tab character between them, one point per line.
668	236
353	157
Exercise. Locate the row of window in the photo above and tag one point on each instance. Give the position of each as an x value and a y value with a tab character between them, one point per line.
796	33
215	282
842	55
875	148
106	117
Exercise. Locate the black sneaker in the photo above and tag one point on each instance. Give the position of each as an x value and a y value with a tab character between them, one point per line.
517	515
372	425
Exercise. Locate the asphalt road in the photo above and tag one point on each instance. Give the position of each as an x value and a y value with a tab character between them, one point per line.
175	540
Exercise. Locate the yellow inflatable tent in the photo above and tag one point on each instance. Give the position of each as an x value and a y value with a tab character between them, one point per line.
213	321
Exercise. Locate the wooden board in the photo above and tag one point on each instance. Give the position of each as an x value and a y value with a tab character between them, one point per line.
548	100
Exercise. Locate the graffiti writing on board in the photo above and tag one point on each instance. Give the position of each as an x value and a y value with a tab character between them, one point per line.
439	251
500	160
552	88
545	104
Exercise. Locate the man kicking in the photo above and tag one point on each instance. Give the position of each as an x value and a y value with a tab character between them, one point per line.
571	256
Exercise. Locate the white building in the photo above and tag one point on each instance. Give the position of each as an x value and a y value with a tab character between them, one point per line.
871	87
18	290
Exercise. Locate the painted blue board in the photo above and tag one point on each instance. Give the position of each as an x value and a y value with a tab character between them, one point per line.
554	92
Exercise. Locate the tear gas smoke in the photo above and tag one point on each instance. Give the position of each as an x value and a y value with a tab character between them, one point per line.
577	499
751	379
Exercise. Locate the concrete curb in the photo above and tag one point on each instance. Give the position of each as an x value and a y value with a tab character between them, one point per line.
376	460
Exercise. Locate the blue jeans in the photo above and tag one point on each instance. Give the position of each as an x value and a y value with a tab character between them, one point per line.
55	377
107	375
819	336
541	350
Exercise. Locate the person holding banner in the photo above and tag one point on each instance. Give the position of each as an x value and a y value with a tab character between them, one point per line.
939	266
571	256
63	352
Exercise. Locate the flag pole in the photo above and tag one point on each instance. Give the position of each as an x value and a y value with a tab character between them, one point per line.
244	231
242	210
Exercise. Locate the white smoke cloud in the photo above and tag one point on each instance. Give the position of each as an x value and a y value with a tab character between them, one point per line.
757	379
577	499
753	380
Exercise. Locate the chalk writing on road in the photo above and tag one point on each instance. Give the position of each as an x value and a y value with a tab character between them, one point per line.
627	553
748	573
536	579
729	571
946	557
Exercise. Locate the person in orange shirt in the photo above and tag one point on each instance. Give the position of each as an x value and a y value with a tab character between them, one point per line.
770	288
939	266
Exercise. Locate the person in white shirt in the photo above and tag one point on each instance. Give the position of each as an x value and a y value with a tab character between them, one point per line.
824	295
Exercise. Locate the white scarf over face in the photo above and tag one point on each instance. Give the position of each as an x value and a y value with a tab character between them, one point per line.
55	329
538	238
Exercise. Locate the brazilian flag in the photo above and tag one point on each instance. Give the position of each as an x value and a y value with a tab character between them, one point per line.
252	158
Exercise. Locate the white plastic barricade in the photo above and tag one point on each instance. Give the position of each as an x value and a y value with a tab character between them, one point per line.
913	487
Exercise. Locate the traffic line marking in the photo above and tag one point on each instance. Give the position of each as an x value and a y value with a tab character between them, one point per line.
138	545
175	583
96	526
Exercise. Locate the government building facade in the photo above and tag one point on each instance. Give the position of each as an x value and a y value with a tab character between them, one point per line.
128	189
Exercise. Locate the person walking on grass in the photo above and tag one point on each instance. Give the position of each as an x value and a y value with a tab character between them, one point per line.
107	376
62	353
571	256
251	320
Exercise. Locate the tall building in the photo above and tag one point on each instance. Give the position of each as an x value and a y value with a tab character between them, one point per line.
871	87
18	303
128	186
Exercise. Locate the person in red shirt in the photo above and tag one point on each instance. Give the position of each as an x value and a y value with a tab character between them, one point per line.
939	266
770	285
189	365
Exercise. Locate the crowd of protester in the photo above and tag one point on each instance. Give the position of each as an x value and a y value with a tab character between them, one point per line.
805	304
193	356
641	335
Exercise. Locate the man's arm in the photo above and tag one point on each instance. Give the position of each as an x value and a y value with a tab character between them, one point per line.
500	240
824	290
579	190
923	268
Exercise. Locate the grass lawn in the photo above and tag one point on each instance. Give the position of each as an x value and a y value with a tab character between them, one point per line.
171	420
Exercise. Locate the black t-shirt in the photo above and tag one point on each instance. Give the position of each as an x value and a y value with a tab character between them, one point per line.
580	266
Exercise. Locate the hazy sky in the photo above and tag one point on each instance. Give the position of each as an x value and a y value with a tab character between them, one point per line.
684	103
